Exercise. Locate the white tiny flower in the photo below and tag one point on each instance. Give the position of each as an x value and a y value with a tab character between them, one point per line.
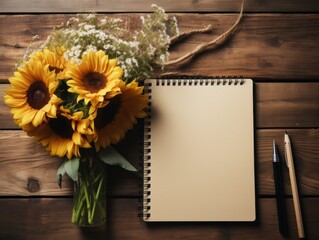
135	62
89	27
66	56
90	16
35	37
142	19
103	21
128	61
162	58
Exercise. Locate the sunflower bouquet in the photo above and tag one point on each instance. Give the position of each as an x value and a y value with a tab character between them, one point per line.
79	93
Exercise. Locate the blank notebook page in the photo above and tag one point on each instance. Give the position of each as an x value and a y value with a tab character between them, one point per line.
201	151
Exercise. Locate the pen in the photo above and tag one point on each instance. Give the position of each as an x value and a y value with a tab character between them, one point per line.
280	199
294	188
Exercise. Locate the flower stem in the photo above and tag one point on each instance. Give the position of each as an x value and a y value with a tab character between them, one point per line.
80	209
96	198
87	200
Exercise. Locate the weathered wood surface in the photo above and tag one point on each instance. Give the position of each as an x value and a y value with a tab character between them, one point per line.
265	46
275	44
287	105
31	171
35	218
277	105
52	6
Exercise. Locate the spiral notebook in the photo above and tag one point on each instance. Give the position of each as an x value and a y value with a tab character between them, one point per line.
199	150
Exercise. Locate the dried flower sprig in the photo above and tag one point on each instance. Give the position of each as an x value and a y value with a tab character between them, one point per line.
138	53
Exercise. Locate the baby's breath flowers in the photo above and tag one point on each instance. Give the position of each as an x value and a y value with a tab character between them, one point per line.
138	53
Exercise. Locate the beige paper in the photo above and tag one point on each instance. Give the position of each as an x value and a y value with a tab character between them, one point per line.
202	151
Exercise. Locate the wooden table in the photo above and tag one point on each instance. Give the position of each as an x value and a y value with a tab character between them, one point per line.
276	44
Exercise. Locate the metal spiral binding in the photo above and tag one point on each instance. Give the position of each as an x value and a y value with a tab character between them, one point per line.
217	81
146	166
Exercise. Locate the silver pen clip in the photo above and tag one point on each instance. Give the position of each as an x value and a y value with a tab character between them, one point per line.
275	151
274	157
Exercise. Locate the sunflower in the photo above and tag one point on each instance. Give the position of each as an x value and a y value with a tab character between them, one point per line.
95	79
31	96
114	119
56	61
78	122
59	137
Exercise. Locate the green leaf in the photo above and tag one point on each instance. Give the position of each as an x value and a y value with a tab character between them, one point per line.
60	173
72	167
112	157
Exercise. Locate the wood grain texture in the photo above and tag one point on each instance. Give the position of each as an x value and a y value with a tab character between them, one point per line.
50	6
26	164
31	162
50	218
6	120
276	41
287	105
277	105
271	46
305	152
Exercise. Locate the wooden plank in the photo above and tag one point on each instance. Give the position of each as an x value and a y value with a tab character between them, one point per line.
287	105
277	105
305	151
50	219
58	6
6	120
27	169
280	46
31	172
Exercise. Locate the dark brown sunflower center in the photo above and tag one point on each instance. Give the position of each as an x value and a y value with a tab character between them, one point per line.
94	81
38	95
61	126
107	114
55	69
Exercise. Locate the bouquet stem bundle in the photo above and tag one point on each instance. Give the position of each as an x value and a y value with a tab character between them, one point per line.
89	204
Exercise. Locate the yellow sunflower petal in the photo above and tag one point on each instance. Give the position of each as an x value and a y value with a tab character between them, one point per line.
77	138
117	73
61	150
38	118
19	83
15	92
112	63
14	102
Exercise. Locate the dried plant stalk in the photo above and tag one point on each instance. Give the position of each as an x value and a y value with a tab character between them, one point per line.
177	63
186	34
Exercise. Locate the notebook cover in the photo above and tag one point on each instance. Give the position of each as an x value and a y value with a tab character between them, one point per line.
200	154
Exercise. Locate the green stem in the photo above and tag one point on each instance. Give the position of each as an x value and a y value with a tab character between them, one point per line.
88	207
80	208
96	196
87	200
